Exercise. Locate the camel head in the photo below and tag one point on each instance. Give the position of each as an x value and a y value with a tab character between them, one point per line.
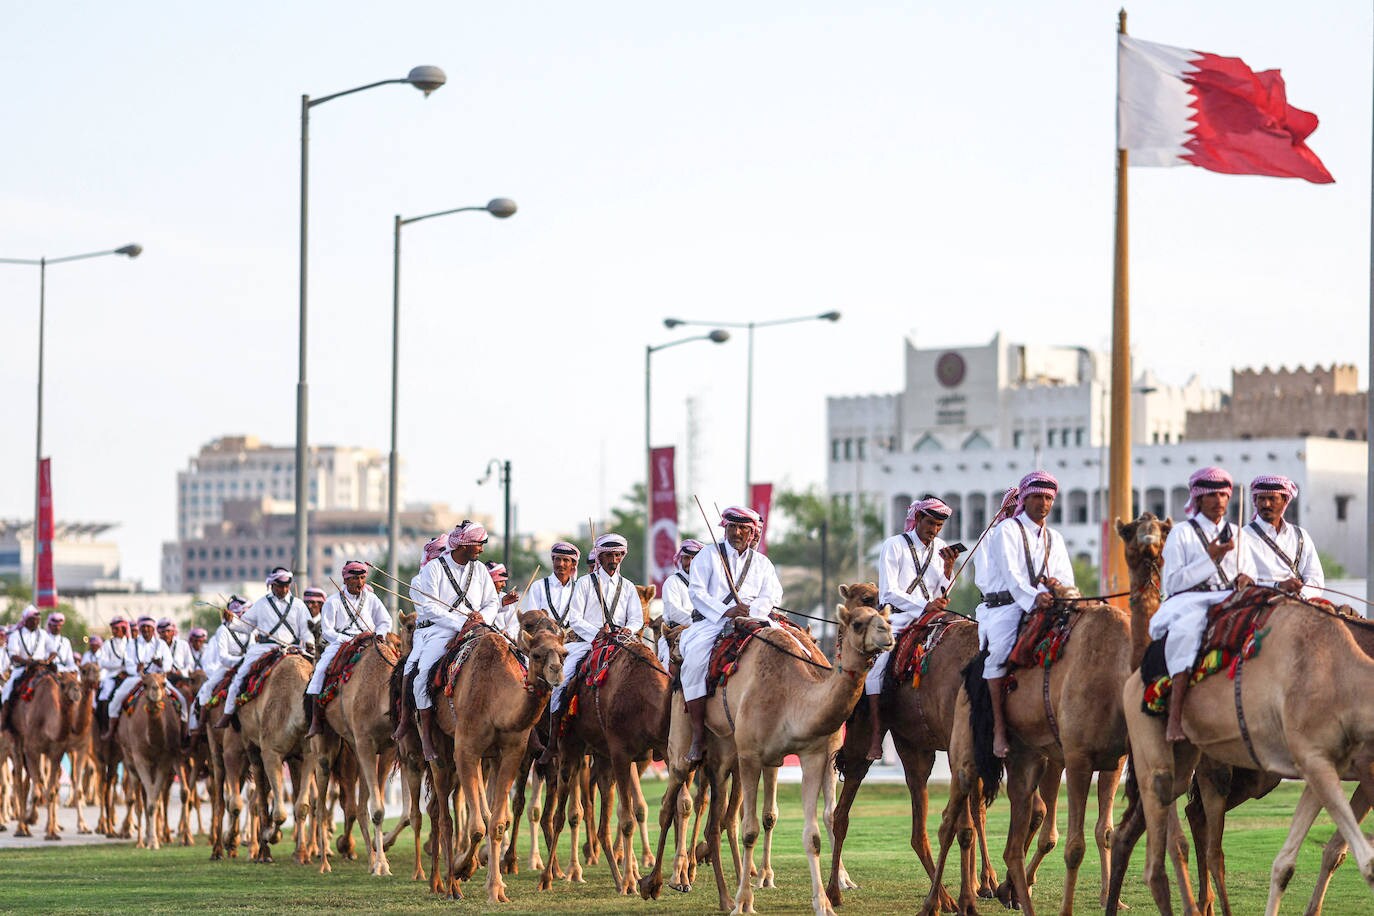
90	675
406	631
538	621
546	658
193	683
69	685
646	596
392	641
673	634
1144	540
154	689
863	633
860	594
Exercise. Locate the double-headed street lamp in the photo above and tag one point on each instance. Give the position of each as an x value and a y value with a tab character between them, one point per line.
499	207
426	79
129	251
749	397
716	336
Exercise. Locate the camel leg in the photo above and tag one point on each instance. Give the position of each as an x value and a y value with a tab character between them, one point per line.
1333	854
549	826
1107	781
469	770
579	803
505	771
641	813
371	785
510	861
631	816
917	762
1206	813
536	815
1080	775
770	820
956	809
651	885
815	771
1045	805
324	763
748	772
856	770
442	882
273	806
1309	806
1023	773
1323	779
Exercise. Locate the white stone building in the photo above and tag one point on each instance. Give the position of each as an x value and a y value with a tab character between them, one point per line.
973	420
241	467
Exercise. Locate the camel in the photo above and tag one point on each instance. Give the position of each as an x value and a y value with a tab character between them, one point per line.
228	773
409	757
274	726
79	716
619	722
43	726
921	721
149	738
489	711
780	702
1068	721
1319	734
360	717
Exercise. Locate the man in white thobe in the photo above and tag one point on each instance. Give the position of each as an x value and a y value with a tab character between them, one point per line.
347	614
278	620
729	580
1274	551
677	602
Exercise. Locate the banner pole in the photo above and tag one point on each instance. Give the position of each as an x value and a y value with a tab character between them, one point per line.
1119	479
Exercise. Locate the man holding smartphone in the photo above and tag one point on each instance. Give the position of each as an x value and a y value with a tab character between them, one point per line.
914	570
1199	571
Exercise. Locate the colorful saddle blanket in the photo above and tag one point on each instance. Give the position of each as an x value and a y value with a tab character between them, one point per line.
1235	629
593	670
219	694
132	700
910	659
725	654
23	689
460	649
1042	638
257	675
341	667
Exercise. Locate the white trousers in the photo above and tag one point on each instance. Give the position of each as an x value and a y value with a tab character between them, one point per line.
664	656
130	685
997	628
317	679
576	652
1183	617
106	687
15	674
429	646
256	650
696	645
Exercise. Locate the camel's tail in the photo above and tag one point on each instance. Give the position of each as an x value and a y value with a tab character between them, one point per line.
980	720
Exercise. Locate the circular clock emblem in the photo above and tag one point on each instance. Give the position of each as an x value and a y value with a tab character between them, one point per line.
949	369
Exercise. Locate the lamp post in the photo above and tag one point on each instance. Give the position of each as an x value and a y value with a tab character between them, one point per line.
504	467
129	251
426	79
749	396
716	336
499	207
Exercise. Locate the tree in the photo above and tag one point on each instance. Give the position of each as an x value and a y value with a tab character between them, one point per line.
794	546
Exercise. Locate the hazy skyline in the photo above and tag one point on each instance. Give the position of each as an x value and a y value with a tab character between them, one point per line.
941	171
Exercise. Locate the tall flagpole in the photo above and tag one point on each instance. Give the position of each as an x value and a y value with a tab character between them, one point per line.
1115	576
1369	386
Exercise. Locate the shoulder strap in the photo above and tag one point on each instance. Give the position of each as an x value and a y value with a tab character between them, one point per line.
1030	562
282	616
348	608
461	591
1221	573
683	576
920	567
1274	546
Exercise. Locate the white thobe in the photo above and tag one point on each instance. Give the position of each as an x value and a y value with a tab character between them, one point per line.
340	622
442	613
709	590
551	596
66	657
1259	561
285	623
1007	572
899	587
113	656
182	661
1186	566
617	605
24	646
677	609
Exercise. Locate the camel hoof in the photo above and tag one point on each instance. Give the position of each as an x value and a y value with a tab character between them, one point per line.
650	886
52	837
83	830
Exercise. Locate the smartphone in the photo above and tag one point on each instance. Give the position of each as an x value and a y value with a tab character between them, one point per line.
1225	536
957	548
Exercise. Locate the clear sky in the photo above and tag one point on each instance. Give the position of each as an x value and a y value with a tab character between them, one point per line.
929	168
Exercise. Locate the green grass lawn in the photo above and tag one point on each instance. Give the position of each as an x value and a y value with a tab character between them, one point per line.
121	879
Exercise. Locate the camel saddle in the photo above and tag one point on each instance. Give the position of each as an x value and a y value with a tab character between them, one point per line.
341	667
132	700
460	647
1043	635
1235	630
911	657
23	688
725	654
257	675
593	669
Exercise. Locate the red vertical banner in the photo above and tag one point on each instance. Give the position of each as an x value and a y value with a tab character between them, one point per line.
42	548
761	501
662	513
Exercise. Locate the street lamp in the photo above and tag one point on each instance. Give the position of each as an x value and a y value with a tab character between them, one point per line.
426	79
129	251
504	468
749	398
717	336
499	207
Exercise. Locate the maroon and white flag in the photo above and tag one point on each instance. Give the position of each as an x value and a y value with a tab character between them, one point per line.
761	501
1181	107
662	514
46	595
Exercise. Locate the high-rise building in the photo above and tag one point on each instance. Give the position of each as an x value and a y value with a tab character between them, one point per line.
242	468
